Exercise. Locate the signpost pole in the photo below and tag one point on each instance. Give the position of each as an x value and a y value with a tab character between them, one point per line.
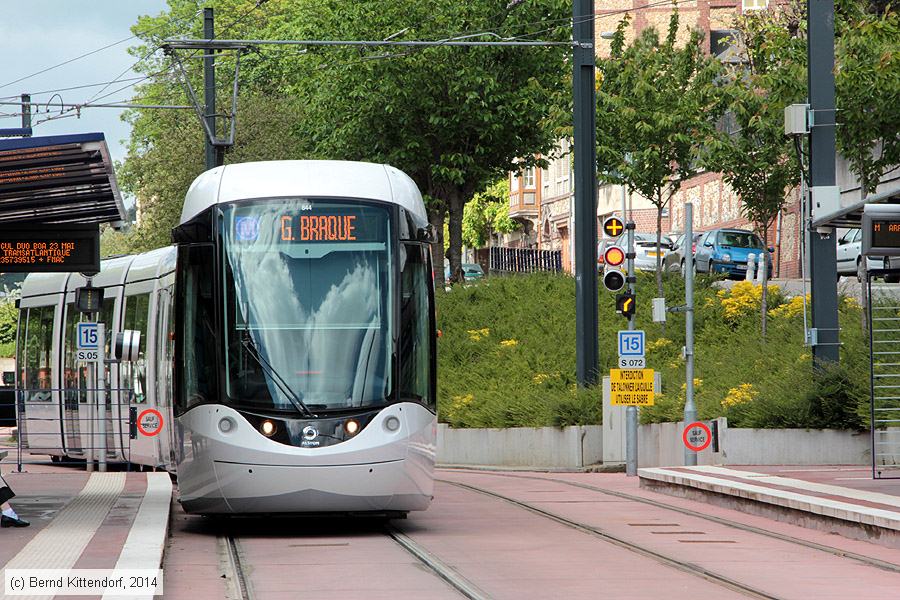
631	412
690	410
583	90
101	395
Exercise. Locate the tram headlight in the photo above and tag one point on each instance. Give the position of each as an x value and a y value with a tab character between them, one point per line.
351	427
267	428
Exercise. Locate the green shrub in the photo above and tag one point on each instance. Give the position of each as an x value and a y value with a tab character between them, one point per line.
507	357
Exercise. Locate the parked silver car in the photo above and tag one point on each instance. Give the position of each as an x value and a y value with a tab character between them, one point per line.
674	260
849	259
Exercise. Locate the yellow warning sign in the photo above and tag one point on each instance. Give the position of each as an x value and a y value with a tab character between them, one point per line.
631	387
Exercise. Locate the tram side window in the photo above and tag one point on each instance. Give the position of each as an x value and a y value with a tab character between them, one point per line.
134	374
74	373
38	352
415	341
198	330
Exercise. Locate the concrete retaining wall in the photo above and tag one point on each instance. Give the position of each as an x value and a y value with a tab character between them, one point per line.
659	445
539	447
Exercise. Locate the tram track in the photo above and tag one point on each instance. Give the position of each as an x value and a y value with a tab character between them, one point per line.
684	566
462	585
234	565
862	558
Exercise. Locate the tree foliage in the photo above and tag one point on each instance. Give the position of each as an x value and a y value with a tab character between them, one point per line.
656	106
487	213
751	151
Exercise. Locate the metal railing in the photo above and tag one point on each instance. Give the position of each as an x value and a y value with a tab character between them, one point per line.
524	260
62	426
883	320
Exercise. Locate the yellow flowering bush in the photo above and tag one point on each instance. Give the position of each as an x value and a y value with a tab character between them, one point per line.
851	302
792	308
509	343
658	344
739	395
540	378
459	405
476	335
742	299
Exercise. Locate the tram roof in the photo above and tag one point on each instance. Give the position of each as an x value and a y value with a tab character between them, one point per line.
58	179
305	179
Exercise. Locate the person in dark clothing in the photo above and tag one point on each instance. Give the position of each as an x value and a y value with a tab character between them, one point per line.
9	518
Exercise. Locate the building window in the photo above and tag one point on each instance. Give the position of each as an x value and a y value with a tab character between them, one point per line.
514	183
529	178
755	4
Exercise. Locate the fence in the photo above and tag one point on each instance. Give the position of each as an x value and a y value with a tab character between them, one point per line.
71	432
525	260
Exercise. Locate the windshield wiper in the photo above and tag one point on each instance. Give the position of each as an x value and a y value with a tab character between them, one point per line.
276	377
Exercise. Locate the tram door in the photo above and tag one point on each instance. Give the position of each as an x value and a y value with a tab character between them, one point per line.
80	426
134	375
164	371
38	365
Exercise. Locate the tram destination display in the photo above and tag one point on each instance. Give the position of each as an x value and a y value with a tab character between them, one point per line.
50	249
881	230
308	223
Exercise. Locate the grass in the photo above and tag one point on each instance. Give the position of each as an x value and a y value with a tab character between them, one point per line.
507	357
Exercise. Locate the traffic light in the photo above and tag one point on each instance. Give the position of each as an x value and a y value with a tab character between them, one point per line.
614	280
614	256
613	227
625	304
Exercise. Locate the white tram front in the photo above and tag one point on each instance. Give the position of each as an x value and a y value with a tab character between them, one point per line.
295	368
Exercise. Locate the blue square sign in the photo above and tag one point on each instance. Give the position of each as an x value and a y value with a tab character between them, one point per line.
631	343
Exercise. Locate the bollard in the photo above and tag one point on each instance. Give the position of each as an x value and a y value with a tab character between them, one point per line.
760	268
751	267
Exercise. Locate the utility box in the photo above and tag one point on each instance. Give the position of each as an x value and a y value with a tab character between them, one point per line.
795	119
826	200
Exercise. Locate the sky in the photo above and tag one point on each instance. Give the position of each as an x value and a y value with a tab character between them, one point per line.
37	34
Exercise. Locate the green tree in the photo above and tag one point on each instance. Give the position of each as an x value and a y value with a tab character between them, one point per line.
657	105
867	82
751	151
453	118
487	213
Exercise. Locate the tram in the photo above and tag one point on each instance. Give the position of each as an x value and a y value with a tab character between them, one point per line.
288	343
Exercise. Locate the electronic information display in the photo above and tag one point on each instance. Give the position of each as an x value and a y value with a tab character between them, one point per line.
312	223
881	230
50	249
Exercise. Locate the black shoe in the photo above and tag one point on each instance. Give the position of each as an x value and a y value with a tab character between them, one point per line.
13	522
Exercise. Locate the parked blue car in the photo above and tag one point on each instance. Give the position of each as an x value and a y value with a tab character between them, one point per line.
726	251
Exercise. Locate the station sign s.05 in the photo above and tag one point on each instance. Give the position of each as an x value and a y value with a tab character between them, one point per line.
50	249
631	387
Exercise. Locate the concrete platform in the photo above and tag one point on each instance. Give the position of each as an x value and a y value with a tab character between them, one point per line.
841	500
82	520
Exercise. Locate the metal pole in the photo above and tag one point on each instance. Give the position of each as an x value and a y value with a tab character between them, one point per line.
26	112
823	249
624	203
587	352
690	410
214	156
101	395
631	412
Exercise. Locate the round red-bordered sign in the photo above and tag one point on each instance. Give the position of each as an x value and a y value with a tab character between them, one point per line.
140	425
687	442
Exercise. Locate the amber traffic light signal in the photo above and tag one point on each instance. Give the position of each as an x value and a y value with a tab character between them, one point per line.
625	305
614	256
613	226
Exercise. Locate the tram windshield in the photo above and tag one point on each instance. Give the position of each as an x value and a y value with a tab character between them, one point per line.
308	296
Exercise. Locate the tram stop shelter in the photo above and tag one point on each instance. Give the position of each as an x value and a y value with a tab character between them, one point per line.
54	193
61	179
882	311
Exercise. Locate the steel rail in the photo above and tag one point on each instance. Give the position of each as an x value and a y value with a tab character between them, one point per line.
436	565
235	566
874	562
686	567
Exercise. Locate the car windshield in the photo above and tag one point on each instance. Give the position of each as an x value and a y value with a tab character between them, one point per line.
738	239
307	303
